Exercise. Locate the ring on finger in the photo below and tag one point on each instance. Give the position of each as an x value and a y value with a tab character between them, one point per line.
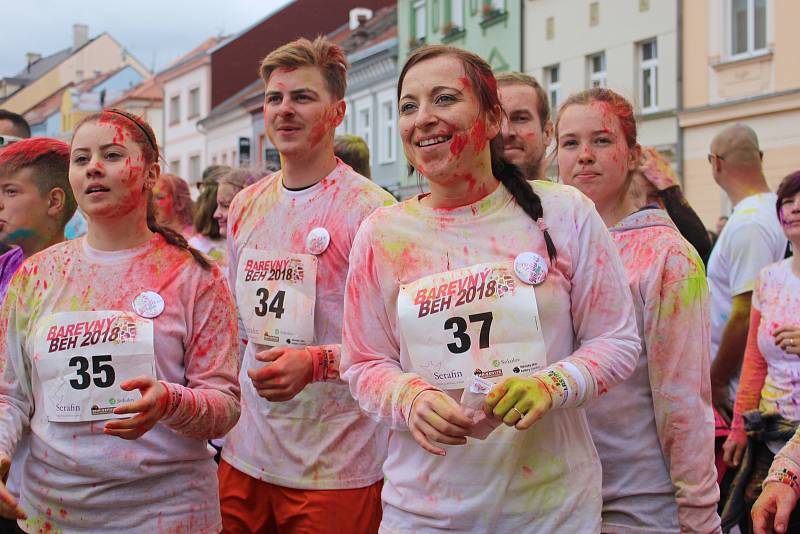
521	415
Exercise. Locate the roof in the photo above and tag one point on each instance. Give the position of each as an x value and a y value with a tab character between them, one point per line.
40	67
199	51
150	89
237	100
381	27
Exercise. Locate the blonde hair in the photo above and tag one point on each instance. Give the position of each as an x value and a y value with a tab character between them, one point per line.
321	53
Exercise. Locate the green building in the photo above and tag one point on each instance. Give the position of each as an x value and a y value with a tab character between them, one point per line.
490	28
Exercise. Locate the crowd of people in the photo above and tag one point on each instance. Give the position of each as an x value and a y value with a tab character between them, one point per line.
295	351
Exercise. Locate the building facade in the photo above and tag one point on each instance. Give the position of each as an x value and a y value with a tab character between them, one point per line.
629	46
739	65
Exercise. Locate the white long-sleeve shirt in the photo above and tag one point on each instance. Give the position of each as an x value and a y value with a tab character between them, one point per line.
77	479
547	478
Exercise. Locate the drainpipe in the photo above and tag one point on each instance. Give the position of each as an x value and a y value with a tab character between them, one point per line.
522	35
679	95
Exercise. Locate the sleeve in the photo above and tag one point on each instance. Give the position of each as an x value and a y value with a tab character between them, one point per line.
686	219
785	469
603	317
370	360
16	394
677	337
752	247
754	374
208	405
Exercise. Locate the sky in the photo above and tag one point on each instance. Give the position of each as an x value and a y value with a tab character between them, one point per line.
156	32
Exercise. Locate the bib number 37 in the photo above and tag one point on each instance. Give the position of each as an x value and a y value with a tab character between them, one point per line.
459	325
102	375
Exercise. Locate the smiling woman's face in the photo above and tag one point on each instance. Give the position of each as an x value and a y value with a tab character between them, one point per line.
443	129
107	171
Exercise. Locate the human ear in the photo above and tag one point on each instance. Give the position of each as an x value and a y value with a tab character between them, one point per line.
341	108
634	157
547	133
56	201
152	176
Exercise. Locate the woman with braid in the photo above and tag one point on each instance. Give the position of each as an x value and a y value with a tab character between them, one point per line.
119	351
654	433
479	318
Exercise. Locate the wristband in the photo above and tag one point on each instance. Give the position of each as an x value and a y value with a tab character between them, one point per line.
323	359
784	475
557	384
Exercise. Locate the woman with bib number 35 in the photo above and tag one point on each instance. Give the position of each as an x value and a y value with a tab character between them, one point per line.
119	351
485	285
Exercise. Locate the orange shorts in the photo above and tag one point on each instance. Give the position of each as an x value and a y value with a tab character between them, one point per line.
252	506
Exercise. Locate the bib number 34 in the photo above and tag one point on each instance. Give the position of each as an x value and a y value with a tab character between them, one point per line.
264	304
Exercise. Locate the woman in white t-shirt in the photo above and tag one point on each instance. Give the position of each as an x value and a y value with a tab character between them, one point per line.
118	350
485	280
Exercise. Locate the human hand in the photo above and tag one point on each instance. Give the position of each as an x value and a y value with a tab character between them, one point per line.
788	339
657	169
734	448
435	416
289	371
771	511
149	409
519	402
9	507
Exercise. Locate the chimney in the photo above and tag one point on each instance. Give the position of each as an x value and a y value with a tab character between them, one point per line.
80	35
31	58
358	16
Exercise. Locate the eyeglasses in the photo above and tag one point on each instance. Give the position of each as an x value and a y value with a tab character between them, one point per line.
6	140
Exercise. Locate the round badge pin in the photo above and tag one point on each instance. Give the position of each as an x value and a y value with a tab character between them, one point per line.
148	304
318	240
531	268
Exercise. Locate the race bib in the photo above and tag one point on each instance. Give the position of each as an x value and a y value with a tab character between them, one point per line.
83	357
476	321
276	293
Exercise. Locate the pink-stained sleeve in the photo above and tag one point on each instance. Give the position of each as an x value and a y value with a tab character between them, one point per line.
234	213
785	468
208	405
751	382
602	314
677	337
370	360
16	395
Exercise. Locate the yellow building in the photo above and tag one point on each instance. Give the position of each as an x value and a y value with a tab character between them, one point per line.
740	64
44	76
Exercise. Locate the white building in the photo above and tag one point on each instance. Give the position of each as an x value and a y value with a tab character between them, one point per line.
629	46
187	99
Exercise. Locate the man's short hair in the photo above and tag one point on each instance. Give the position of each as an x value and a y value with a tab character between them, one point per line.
519	78
49	160
21	126
354	151
321	53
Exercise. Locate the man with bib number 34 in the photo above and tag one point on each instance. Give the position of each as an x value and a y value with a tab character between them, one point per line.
302	458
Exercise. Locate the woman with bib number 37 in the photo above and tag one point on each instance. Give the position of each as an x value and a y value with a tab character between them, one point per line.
119	351
487	285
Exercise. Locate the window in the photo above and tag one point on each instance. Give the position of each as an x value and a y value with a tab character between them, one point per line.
364	125
597	69
648	81
225	158
175	110
419	21
457	13
748	28
194	168
194	102
387	130
644	5
499	5
552	78
550	28
594	13
175	167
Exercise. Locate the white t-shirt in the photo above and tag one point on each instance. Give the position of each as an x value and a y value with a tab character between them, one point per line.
751	240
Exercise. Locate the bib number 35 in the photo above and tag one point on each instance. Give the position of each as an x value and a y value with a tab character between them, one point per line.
102	375
459	325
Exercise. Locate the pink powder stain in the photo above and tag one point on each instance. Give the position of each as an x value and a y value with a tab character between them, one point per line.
527	471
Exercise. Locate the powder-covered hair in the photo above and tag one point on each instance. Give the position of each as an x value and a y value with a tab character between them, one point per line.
613	101
484	84
321	53
789	187
142	134
353	150
49	160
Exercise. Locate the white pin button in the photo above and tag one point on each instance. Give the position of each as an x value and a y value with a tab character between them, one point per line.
148	304
318	240
531	268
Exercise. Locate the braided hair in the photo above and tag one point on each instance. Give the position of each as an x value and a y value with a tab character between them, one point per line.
485	86
143	135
